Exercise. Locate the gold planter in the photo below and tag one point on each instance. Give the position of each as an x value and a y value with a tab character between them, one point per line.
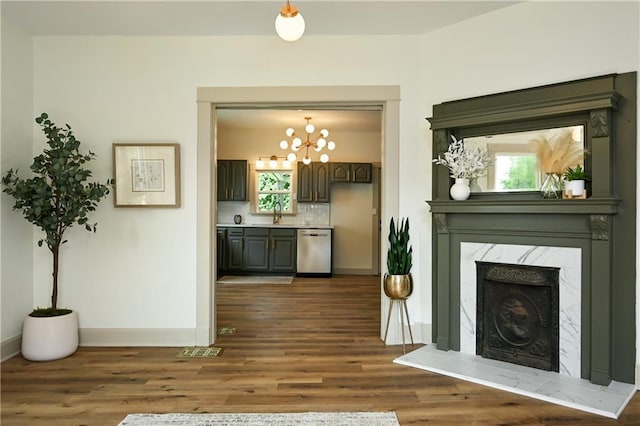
398	286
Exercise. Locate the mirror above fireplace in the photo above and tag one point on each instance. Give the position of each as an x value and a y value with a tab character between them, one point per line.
515	165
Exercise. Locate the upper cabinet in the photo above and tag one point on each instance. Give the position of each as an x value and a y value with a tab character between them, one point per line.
232	180
313	183
350	172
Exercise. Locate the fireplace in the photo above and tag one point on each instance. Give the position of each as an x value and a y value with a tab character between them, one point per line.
517	314
597	327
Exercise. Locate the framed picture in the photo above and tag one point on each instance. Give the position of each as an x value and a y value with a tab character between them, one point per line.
146	174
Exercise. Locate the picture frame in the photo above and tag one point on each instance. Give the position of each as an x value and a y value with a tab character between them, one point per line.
146	174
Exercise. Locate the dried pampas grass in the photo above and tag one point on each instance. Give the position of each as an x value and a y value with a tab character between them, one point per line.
558	152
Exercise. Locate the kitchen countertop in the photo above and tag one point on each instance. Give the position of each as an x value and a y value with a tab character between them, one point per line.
273	225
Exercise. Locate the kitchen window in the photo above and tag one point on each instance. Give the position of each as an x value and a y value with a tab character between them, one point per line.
273	187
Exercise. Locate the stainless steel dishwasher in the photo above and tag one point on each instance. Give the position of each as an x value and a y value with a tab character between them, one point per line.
314	254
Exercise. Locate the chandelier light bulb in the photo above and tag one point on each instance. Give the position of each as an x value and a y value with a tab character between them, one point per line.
331	145
297	142
324	158
290	132
309	128
321	142
260	163
284	144
289	23
324	133
306	160
317	148
291	157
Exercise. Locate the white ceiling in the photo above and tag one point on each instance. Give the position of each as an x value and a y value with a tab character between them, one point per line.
242	18
238	17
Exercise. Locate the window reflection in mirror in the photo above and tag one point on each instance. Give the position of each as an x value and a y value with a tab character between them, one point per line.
515	165
272	187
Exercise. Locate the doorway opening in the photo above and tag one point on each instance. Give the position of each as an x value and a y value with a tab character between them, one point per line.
210	100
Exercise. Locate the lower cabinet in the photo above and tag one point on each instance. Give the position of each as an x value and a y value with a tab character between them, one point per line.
234	253
254	250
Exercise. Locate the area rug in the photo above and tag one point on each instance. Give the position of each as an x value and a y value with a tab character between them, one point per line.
271	419
226	331
262	279
199	352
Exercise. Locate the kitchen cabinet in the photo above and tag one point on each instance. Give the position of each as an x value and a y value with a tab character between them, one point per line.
221	247
254	249
282	255
350	172
313	183
256	255
234	253
232	180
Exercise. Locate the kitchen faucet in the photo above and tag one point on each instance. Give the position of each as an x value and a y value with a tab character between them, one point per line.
277	217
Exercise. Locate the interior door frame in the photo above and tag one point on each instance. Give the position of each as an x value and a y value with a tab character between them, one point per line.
211	98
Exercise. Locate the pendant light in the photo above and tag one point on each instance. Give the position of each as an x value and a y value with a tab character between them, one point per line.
289	23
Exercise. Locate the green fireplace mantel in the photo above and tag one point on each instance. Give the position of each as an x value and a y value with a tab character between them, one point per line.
535	205
603	226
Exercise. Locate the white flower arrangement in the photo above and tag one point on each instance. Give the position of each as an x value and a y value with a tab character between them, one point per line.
464	163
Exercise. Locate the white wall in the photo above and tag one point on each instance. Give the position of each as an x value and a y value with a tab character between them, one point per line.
138	270
530	44
16	259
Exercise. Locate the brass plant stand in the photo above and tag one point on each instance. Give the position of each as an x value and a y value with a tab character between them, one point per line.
398	288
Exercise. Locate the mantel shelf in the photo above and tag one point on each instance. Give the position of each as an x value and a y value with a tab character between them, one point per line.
590	206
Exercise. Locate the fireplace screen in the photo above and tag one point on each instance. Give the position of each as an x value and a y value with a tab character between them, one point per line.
517	314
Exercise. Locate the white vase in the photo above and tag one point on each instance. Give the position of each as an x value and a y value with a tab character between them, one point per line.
460	190
577	187
49	338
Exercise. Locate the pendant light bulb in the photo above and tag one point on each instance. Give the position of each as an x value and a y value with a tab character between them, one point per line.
306	160
289	23
260	163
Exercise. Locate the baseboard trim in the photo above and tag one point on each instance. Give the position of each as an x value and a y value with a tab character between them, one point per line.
137	336
421	334
352	271
10	347
637	376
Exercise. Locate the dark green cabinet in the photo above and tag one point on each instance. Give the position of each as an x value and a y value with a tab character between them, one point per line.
256	255
232	180
234	254
221	247
254	250
313	183
282	252
350	172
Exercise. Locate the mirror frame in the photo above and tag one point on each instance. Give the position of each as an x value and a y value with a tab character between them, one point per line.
588	102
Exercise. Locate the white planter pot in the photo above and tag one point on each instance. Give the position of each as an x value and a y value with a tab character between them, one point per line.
577	187
49	338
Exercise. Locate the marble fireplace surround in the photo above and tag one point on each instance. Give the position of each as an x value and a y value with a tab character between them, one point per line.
566	258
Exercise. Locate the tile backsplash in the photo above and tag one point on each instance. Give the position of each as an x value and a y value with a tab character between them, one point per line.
308	214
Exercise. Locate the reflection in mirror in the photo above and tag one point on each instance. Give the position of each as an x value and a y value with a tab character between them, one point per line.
520	160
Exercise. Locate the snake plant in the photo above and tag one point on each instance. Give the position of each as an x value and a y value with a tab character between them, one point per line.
399	254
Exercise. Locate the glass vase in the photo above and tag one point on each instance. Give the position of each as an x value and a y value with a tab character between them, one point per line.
551	187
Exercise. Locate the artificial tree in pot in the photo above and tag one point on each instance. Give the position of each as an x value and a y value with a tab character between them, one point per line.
55	198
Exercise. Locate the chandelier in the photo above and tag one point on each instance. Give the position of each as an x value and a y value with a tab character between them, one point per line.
289	23
317	142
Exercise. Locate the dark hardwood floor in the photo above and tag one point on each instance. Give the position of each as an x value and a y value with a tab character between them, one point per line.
310	346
